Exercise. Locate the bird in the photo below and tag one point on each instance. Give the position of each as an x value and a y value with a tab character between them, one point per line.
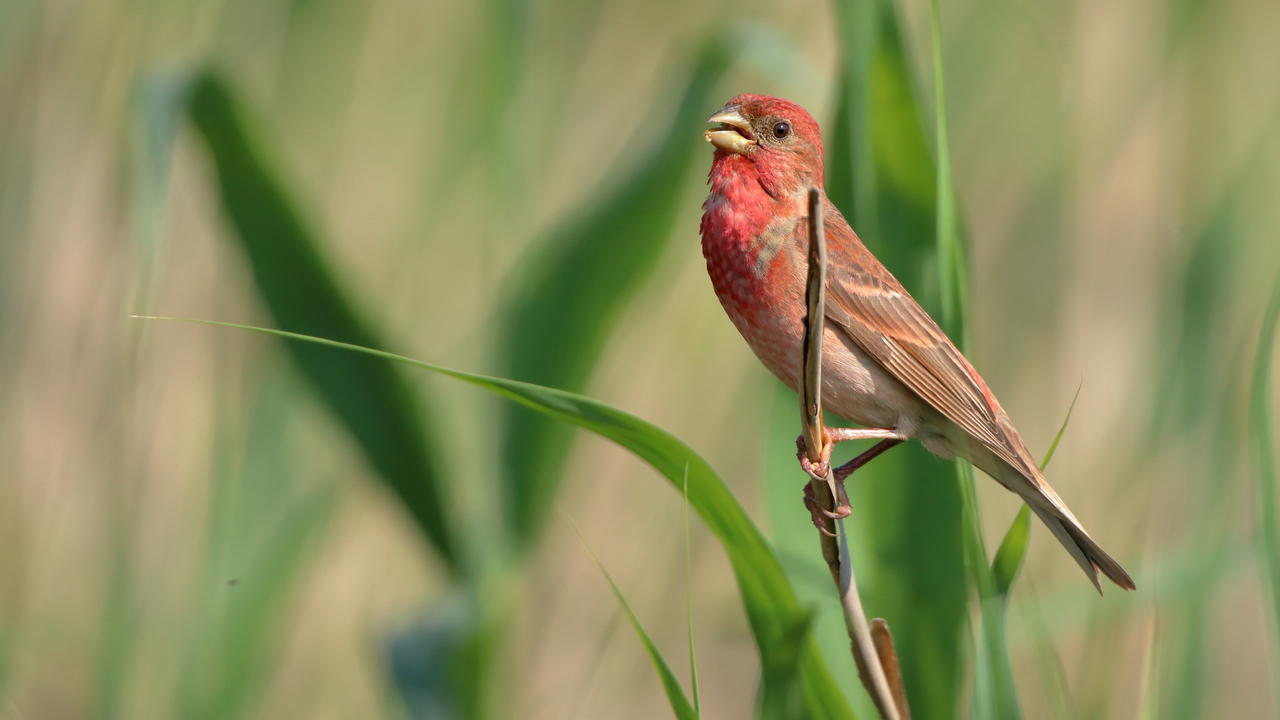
887	365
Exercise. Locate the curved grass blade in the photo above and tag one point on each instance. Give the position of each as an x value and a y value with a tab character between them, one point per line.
572	290
767	596
370	398
680	704
1013	548
1262	436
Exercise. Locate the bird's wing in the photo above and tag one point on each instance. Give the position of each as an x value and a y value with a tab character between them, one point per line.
869	305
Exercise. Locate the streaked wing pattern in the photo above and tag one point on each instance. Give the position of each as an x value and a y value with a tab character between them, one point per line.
877	313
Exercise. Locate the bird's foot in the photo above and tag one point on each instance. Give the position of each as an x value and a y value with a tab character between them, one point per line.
818	469
816	513
842	509
820	515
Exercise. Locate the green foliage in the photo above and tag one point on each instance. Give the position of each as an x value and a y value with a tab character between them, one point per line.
573	288
993	692
881	175
1012	550
776	618
369	398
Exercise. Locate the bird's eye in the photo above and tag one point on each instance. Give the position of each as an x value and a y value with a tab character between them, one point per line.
781	129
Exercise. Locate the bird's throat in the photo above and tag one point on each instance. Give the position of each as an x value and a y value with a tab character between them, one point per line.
738	207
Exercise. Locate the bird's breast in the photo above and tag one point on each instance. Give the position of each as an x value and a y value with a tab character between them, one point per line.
759	278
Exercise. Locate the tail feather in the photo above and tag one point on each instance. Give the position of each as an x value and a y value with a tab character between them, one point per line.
1054	513
1088	555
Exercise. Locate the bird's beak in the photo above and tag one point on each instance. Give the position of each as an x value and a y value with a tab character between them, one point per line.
732	133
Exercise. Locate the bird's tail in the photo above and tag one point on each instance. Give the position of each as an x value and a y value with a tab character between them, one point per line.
1088	554
1058	518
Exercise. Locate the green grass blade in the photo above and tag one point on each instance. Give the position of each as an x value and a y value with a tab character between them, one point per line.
994	694
572	289
1062	429
952	265
881	175
688	582
680	705
1262	436
768	598
370	398
1013	548
781	695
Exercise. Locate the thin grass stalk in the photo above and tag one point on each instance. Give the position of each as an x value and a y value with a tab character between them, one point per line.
889	698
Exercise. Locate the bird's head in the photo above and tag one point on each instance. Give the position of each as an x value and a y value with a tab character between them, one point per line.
779	139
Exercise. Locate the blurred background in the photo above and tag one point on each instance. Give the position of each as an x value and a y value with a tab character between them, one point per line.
204	522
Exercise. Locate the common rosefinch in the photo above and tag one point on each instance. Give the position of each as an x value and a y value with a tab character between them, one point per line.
887	366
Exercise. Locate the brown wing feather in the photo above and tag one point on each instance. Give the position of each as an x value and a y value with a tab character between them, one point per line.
876	312
866	302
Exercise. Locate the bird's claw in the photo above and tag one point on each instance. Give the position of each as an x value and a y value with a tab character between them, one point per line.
842	511
816	469
820	470
816	513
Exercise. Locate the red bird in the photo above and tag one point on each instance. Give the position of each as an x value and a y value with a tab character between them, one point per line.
887	366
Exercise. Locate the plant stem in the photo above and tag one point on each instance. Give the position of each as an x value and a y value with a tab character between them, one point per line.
835	541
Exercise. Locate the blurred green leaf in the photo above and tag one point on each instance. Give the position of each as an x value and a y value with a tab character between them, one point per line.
1187	661
881	174
993	693
781	695
770	602
370	398
263	524
1262	436
1192	331
1012	550
680	705
572	289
